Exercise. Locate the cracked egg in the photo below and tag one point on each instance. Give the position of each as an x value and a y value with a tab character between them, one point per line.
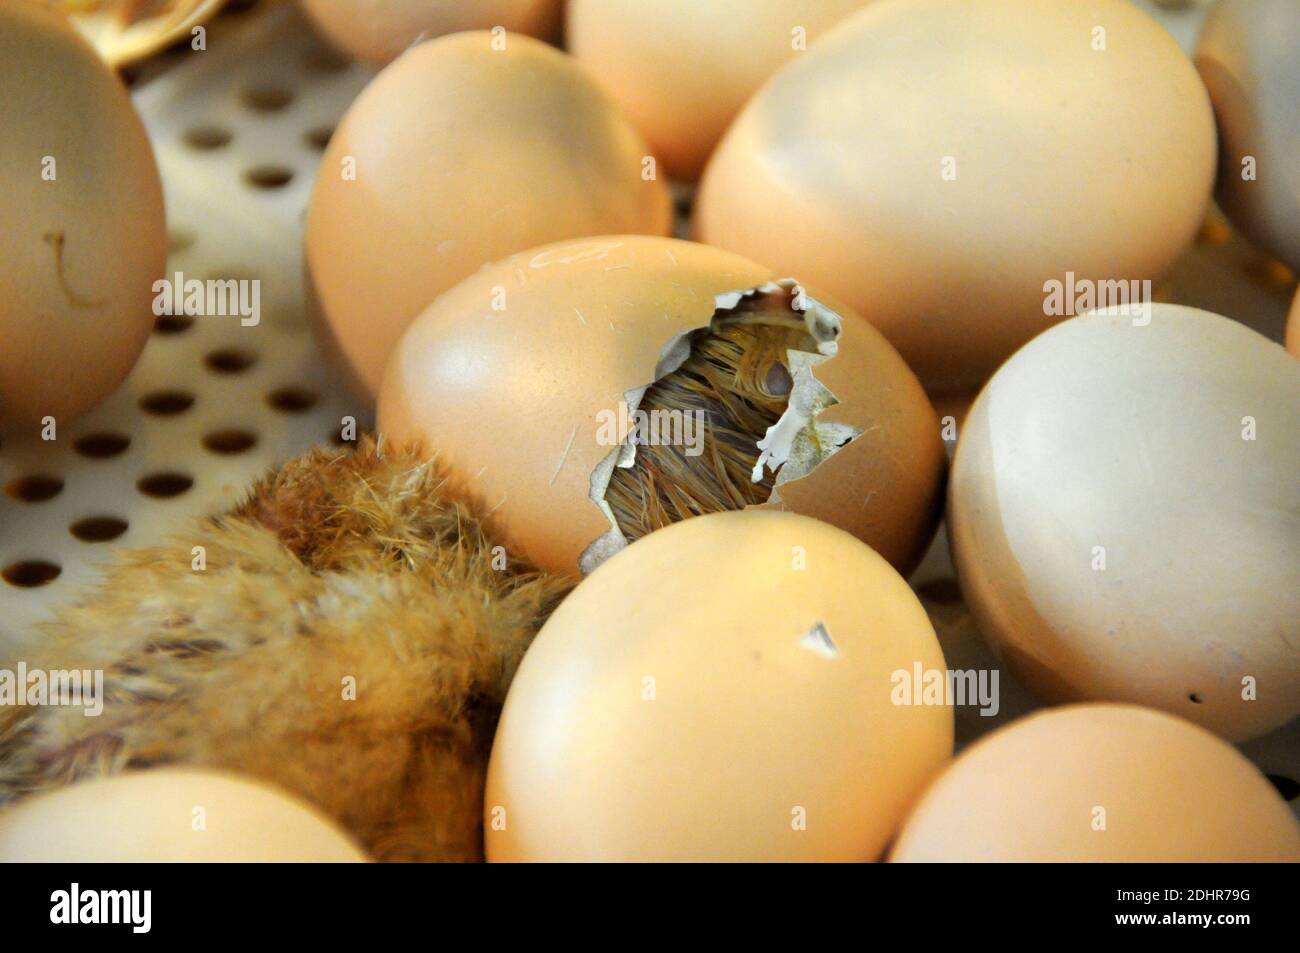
591	392
84	237
721	691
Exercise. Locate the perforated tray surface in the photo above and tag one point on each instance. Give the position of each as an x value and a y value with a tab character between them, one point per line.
238	130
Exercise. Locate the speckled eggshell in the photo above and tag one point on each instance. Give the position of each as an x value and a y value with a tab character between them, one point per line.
83	236
170	815
934	164
511	397
1249	58
463	154
1124	513
683	69
378	31
1100	783
721	690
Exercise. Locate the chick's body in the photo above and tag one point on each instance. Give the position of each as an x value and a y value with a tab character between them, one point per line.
348	639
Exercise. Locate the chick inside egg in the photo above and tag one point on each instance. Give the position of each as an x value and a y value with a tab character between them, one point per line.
746	381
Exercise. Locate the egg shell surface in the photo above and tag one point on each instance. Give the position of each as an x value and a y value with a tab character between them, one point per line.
170	815
84	237
1100	783
936	164
1124	517
456	155
720	690
510	377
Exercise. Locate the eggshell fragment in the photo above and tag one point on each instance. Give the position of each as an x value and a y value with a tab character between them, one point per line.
1125	517
1100	783
83	238
378	31
683	69
936	164
169	816
456	155
511	376
1247	56
721	690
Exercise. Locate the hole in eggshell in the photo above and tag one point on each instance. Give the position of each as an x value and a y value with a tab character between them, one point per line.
730	416
1195	698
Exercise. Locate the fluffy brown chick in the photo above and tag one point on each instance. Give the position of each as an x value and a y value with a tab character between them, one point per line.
339	566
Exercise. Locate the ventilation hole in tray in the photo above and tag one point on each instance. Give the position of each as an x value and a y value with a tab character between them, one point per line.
30	573
323	60
173	323
319	137
36	488
943	591
98	529
101	446
179	239
268	176
164	485
230	441
207	138
267	99
292	400
166	403
1269	271
1287	787
229	360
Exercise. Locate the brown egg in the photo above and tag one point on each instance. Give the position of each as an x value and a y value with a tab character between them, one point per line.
723	690
378	31
529	380
458	154
936	164
683	69
84	237
1110	783
1125	517
1247	55
170	815
1293	327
